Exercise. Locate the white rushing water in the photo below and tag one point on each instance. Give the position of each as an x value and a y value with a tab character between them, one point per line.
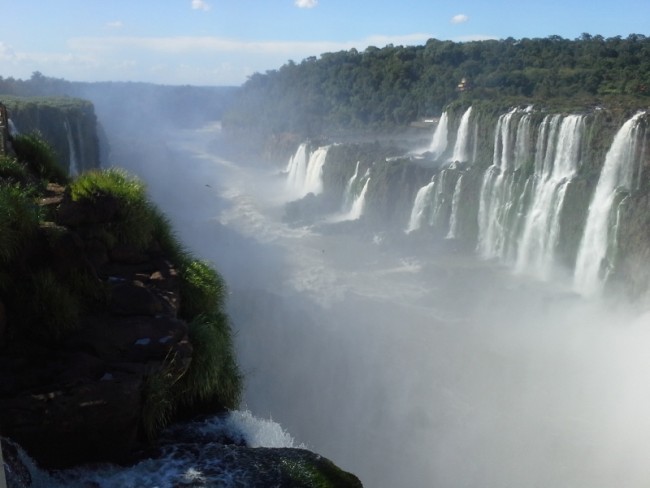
420	210
305	171
536	252
440	135
73	163
617	173
406	367
455	205
462	144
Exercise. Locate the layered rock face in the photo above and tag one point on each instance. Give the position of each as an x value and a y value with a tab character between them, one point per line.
69	125
86	393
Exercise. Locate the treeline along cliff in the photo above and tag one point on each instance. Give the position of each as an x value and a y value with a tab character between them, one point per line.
395	85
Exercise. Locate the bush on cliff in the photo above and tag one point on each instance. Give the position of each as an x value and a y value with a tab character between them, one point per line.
39	156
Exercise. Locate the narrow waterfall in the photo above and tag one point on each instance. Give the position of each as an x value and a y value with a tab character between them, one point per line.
617	174
420	207
437	217
455	203
13	130
541	231
439	141
348	194
73	164
297	168
461	147
496	193
356	211
305	171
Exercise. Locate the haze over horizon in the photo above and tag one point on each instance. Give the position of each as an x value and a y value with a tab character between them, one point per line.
222	42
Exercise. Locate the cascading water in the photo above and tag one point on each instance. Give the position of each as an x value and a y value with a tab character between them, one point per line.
461	147
496	192
305	171
536	251
73	166
348	195
13	130
439	141
455	204
356	211
420	207
617	173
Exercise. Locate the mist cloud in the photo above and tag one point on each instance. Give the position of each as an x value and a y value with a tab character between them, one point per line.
116	24
459	19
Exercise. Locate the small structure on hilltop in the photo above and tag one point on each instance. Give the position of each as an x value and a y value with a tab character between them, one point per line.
464	85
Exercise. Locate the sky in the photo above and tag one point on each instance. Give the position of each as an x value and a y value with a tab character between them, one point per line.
223	42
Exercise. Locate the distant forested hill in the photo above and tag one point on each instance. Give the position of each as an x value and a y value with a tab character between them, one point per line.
395	85
179	105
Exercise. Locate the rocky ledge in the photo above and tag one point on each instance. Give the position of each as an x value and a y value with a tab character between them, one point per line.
81	399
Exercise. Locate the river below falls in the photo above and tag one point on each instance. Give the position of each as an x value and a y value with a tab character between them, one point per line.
409	367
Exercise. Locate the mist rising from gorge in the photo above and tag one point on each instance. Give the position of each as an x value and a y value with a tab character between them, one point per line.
406	366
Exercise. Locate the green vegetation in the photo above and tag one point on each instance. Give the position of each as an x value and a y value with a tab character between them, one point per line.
395	85
133	224
39	156
47	289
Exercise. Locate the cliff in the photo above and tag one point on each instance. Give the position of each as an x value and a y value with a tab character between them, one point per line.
110	331
69	125
519	184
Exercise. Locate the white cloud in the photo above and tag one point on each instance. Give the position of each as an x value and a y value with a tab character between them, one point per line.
459	19
200	5
116	24
305	3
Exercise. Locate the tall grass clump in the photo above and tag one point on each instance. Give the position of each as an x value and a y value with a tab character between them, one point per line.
203	290
213	379
52	309
40	157
12	170
18	220
134	224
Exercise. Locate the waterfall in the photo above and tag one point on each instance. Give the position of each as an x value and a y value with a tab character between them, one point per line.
617	173
420	205
439	141
461	147
455	203
536	252
496	192
297	168
73	166
13	130
348	195
357	205
304	172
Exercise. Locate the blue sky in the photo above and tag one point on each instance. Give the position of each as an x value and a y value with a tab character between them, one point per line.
222	42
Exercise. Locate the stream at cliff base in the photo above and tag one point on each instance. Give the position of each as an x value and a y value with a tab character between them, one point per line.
406	366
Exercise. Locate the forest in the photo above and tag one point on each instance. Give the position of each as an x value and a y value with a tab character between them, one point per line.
396	85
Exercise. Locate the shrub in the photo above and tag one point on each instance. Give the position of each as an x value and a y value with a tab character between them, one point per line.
39	156
52	310
12	170
134	224
203	290
213	379
18	220
158	407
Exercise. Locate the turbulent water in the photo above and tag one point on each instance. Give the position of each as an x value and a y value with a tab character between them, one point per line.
617	175
415	369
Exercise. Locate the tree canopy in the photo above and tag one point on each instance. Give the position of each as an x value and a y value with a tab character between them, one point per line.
394	85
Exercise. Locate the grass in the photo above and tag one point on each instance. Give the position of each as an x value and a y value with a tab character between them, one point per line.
213	378
12	170
39	157
203	290
135	223
19	221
